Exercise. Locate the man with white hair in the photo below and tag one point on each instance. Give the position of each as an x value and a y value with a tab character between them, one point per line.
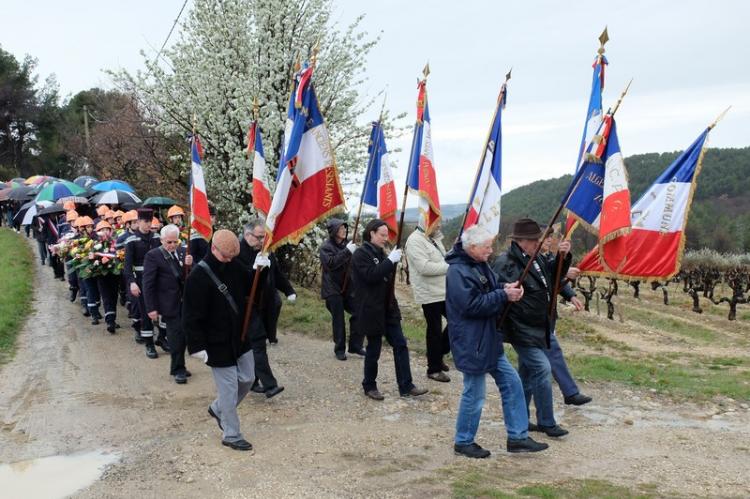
163	284
474	299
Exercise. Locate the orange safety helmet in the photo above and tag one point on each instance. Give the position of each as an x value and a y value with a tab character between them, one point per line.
174	211
103	225
69	205
71	215
119	214
155	223
102	210
130	216
109	215
84	221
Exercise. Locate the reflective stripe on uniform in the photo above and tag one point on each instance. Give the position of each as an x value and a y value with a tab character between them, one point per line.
147	334
137	268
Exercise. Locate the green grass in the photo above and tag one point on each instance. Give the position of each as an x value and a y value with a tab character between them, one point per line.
16	275
671	325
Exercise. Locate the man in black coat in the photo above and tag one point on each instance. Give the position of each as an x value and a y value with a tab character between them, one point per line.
251	258
163	283
376	308
528	325
335	255
212	315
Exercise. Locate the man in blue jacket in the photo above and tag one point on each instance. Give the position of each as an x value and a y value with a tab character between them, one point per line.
474	299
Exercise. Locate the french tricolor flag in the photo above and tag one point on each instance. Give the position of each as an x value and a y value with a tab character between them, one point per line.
380	187
654	246
200	219
422	179
307	186
261	192
484	205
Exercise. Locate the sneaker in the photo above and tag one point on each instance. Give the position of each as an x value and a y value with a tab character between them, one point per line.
553	431
439	376
414	392
525	445
577	399
180	378
472	450
238	445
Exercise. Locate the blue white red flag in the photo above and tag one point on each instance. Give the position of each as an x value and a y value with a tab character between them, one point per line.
422	179
655	245
484	205
599	197
200	219
380	187
307	186
261	190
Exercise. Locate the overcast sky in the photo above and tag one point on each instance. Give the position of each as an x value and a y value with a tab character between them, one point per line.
689	60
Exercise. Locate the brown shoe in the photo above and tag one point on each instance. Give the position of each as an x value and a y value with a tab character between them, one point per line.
439	376
374	394
415	392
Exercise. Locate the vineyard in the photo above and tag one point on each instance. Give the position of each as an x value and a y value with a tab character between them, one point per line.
709	278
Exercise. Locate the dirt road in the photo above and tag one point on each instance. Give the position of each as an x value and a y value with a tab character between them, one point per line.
72	388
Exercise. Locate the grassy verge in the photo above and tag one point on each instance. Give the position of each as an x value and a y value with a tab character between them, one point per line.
15	292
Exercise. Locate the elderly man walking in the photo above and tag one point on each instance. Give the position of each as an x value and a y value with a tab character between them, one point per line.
212	315
528	326
474	298
163	283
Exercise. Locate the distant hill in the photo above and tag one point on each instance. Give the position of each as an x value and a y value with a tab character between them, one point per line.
449	211
720	214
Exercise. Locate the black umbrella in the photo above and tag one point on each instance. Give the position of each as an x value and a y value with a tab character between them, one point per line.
51	210
21	193
115	197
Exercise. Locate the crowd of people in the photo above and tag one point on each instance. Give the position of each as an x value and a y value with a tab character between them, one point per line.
184	293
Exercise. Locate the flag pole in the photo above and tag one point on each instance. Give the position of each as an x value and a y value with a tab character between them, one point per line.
186	267
484	153
553	297
370	163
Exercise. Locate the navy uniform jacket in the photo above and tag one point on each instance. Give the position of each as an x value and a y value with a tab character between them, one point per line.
198	248
135	253
163	281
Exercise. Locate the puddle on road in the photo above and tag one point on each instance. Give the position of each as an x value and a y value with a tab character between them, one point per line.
53	476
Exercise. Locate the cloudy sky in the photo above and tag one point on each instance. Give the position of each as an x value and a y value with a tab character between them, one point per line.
688	60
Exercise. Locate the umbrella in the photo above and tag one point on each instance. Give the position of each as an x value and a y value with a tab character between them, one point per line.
115	197
52	210
75	199
159	202
85	181
4	193
36	179
20	193
29	210
130	206
14	183
111	185
20	180
59	189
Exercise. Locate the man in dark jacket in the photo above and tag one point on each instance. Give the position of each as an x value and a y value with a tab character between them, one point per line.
251	258
528	326
335	256
163	283
212	314
376	308
474	298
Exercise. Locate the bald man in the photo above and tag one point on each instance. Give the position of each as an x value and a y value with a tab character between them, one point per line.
212	314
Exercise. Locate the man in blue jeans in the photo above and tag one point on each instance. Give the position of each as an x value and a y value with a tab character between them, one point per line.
473	300
528	326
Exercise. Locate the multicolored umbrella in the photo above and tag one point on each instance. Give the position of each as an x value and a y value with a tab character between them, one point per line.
4	193
115	197
14	183
36	179
59	189
112	185
86	181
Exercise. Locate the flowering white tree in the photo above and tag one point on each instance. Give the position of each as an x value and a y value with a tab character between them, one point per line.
231	51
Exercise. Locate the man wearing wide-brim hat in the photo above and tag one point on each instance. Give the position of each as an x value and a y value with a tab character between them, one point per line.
528	325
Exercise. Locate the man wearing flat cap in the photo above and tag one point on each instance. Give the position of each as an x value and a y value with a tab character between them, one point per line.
528	325
136	248
213	310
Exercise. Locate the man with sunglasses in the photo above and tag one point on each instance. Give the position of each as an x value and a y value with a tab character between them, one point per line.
163	284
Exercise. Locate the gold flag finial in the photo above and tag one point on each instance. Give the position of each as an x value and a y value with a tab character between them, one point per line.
719	118
603	39
426	70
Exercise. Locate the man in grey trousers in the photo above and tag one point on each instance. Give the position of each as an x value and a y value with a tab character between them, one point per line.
212	315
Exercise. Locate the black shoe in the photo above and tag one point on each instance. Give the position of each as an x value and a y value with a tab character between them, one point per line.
188	373
358	351
217	418
95	321
471	450
374	394
151	351
163	345
180	378
533	427
445	367
86	313
415	392
257	387
73	295
439	376
553	431
139	339
274	341
272	392
117	326
238	445
111	328
577	399
525	445
341	355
